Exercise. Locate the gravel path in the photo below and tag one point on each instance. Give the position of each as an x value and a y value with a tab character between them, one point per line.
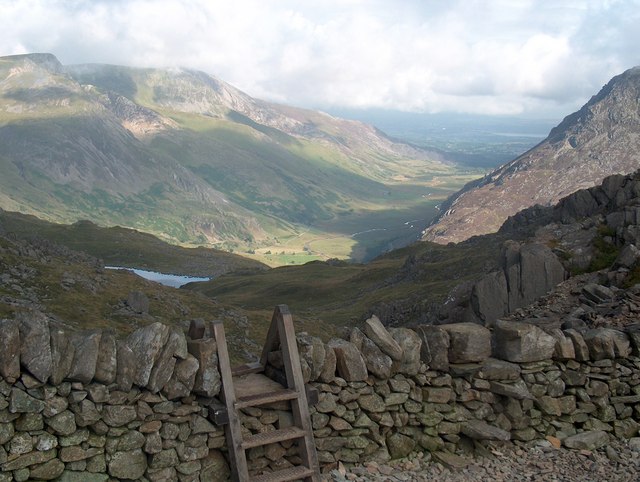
538	461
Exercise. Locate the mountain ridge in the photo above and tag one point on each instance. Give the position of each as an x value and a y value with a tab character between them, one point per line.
183	155
600	139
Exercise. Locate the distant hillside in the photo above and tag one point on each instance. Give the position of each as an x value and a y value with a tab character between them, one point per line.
117	246
601	139
187	157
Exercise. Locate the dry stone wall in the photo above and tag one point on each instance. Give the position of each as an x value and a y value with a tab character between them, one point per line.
89	406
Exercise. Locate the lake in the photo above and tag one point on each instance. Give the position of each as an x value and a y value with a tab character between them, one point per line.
173	280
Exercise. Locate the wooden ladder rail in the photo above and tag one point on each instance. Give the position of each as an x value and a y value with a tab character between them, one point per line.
281	334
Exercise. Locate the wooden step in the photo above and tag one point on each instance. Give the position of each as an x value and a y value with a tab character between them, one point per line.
292	473
273	436
255	367
265	398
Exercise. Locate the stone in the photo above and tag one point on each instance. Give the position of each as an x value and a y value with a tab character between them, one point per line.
378	363
328	373
63	423
146	344
83	367
479	430
76	453
207	381
86	413
118	415
349	362
21	443
107	359
48	471
517	390
607	343
129	465
564	349
490	297
138	302
469	342
522	342
72	476
215	468
7	432
434	351
437	394
628	257
587	440
28	459
163	459
62	353
597	293
130	441
312	350
580	347
22	402
494	369
176	347
411	344
376	332
9	350
125	366
35	348
400	445
183	378
372	403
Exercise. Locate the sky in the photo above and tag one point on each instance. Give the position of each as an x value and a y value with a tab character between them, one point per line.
535	58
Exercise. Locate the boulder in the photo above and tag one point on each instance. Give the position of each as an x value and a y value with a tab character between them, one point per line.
489	298
106	363
468	342
410	343
522	342
138	302
375	330
146	344
597	293
35	349
434	351
9	350
628	257
349	362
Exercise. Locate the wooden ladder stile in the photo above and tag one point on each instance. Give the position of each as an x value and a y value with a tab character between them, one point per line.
281	335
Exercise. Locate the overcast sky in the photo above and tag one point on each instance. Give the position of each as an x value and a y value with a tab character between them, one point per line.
537	57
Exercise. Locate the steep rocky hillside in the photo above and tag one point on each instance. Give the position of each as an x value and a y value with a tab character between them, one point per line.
186	156
601	139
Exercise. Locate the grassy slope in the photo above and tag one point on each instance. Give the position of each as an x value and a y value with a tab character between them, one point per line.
326	297
125	247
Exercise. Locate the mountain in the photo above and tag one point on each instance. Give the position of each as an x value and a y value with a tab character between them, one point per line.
601	139
183	155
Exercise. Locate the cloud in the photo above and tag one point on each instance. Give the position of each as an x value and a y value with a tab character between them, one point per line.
493	56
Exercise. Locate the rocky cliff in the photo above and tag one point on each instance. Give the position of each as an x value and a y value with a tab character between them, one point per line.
601	139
